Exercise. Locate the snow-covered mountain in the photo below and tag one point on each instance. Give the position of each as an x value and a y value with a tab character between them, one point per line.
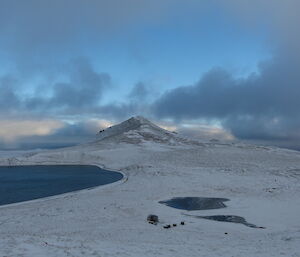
137	130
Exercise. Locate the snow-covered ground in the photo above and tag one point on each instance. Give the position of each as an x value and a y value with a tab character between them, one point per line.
262	184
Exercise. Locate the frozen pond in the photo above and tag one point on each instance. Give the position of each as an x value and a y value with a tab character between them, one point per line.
23	183
195	203
206	203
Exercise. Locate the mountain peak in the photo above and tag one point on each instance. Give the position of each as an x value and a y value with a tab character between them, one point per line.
137	129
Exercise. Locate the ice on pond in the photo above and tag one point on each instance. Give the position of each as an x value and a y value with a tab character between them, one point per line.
195	203
228	218
206	203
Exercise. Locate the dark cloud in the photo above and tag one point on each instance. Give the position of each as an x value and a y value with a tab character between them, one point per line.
79	92
9	100
84	89
262	106
136	103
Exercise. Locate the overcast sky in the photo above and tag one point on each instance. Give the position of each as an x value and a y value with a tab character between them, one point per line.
210	69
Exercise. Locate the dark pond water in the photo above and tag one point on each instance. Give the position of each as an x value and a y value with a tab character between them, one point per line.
23	183
227	218
195	203
206	203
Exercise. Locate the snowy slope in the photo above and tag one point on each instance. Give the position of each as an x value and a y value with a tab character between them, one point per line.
262	184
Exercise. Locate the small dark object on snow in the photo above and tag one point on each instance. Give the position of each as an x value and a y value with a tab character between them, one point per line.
153	219
182	223
174	225
167	226
225	233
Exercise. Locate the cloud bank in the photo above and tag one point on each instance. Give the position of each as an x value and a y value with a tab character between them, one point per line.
262	106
